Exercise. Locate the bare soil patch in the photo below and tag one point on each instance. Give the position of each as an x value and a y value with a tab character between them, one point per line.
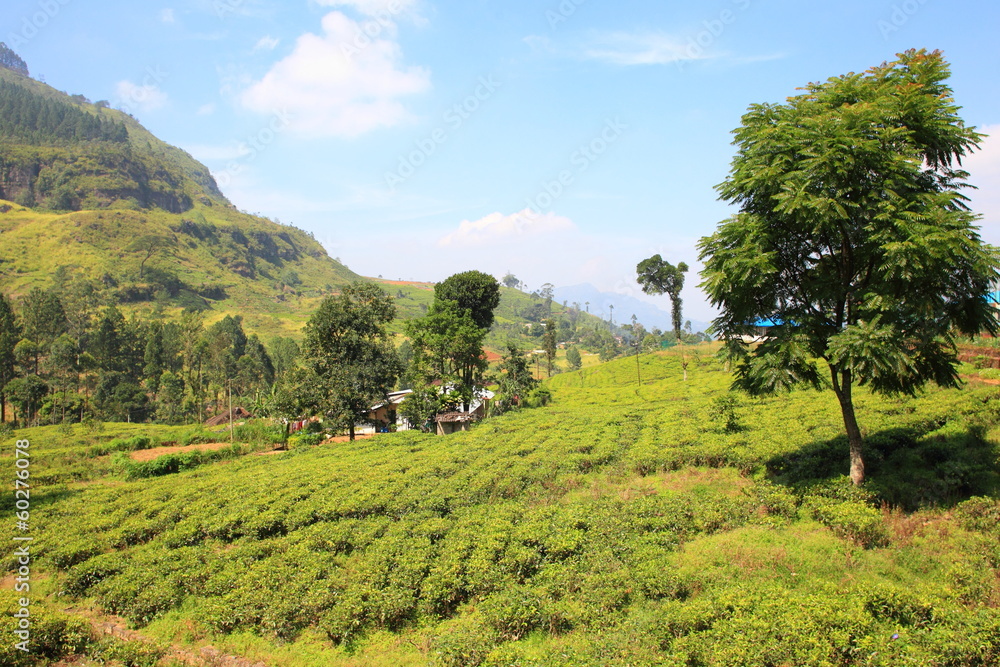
155	452
347	438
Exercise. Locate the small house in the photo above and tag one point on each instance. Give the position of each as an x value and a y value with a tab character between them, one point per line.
239	414
452	422
384	414
762	330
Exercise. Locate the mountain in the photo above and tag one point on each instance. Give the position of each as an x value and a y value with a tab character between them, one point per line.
88	195
91	201
625	307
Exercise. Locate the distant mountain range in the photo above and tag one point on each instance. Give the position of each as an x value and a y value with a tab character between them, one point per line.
624	307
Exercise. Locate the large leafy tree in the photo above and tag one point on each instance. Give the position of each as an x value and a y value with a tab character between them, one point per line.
854	237
472	291
448	346
448	341
658	276
348	348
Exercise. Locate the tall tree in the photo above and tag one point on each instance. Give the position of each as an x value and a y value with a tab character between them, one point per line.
147	246
10	335
658	276
349	349
515	379
510	280
472	291
853	234
448	341
574	359
448	346
43	318
547	292
549	340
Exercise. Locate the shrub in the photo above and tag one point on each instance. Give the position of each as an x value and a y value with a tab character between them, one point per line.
980	514
260	432
464	642
890	603
305	439
724	411
851	520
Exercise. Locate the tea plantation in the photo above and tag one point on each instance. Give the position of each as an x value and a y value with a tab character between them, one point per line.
667	523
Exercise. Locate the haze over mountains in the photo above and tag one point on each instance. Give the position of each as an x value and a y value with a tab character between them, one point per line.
625	306
93	191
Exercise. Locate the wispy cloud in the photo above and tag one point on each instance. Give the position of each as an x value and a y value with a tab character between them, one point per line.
147	97
372	7
642	48
205	152
984	172
341	83
167	16
497	227
266	43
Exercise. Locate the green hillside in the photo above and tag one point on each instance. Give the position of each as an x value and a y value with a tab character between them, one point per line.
663	523
87	194
210	258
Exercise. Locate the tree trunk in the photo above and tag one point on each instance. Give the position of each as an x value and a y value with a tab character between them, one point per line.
842	382
352	431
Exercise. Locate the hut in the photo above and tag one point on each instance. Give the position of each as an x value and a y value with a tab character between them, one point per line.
239	414
452	422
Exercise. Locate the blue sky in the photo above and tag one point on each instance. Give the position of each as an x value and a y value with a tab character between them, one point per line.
564	141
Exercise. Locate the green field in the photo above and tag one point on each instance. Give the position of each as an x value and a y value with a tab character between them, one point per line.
661	523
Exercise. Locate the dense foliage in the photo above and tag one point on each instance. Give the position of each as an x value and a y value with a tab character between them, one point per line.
66	359
620	526
447	343
30	118
350	353
853	238
12	61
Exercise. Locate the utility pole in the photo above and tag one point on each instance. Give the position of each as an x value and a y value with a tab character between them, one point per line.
229	383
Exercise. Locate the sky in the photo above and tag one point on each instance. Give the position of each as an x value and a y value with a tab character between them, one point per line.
561	140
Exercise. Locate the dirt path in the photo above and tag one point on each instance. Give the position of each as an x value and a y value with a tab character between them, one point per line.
150	454
205	656
347	438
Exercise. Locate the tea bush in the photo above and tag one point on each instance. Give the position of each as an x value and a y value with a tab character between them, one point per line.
619	525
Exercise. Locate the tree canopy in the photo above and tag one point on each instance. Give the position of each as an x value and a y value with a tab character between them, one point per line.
12	61
658	276
351	353
853	237
472	291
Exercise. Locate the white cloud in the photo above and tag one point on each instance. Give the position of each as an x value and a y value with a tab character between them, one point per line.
132	96
205	152
984	172
344	82
646	48
266	43
206	109
497	227
167	16
372	7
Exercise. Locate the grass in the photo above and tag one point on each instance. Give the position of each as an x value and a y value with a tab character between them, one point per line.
625	524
